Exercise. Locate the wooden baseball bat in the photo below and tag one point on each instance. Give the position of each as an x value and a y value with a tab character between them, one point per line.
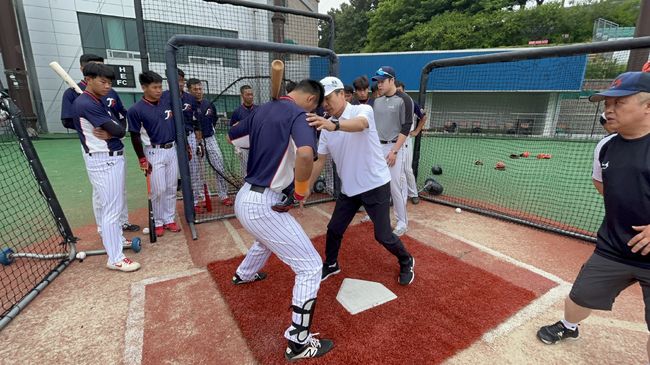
277	73
64	75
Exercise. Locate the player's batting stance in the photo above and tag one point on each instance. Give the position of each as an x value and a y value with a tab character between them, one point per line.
104	159
279	137
350	137
151	119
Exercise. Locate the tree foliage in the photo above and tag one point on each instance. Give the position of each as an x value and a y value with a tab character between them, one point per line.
405	25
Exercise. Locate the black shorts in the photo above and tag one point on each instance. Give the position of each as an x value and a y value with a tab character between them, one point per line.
601	280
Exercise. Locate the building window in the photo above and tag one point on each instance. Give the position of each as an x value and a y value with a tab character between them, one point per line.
158	33
101	32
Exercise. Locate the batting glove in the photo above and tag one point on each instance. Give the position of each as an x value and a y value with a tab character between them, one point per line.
145	166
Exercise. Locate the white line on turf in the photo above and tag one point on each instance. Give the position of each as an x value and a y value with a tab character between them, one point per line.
236	237
503	257
533	309
322	212
134	335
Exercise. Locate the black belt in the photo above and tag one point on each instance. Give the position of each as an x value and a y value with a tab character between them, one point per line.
111	153
387	142
167	145
258	188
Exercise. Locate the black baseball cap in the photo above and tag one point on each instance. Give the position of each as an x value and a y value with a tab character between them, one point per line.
384	72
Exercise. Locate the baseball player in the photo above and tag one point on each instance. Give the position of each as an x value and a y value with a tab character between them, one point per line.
279	138
207	114
622	167
394	117
361	90
242	112
421	118
104	159
152	119
113	102
350	137
194	142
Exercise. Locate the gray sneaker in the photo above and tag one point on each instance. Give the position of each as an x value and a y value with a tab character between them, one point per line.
399	231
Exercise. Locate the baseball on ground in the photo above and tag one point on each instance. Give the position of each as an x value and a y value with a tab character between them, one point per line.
145	230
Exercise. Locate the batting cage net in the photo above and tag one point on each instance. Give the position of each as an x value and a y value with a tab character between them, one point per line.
513	134
35	238
225	76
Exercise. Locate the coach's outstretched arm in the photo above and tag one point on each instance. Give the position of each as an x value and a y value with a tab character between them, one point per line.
356	124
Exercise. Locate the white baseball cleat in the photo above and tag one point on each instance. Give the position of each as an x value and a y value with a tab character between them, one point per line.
126	265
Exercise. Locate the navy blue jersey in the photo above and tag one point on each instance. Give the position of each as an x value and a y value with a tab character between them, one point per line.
241	113
418	111
89	113
275	130
111	100
625	166
207	115
189	106
154	121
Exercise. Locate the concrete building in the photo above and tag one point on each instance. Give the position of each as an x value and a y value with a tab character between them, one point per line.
63	30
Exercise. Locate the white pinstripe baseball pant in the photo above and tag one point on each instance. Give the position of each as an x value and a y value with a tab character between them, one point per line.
281	234
164	169
97	211
106	175
408	168
213	152
196	170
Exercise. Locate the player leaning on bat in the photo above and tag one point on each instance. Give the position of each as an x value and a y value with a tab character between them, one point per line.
114	104
350	137
279	137
194	141
104	159
207	116
151	120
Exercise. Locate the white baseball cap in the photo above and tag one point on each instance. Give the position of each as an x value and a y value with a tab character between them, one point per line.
331	83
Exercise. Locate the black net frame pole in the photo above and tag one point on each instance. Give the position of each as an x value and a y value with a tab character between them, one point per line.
52	202
181	40
536	53
142	42
282	9
549	52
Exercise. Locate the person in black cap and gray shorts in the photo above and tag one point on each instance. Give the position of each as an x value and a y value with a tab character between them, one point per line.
622	167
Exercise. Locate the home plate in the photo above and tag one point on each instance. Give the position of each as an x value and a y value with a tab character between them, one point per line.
358	295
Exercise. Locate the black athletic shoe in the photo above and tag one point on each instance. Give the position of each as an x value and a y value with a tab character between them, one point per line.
257	277
313	348
406	274
329	270
555	333
130	227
